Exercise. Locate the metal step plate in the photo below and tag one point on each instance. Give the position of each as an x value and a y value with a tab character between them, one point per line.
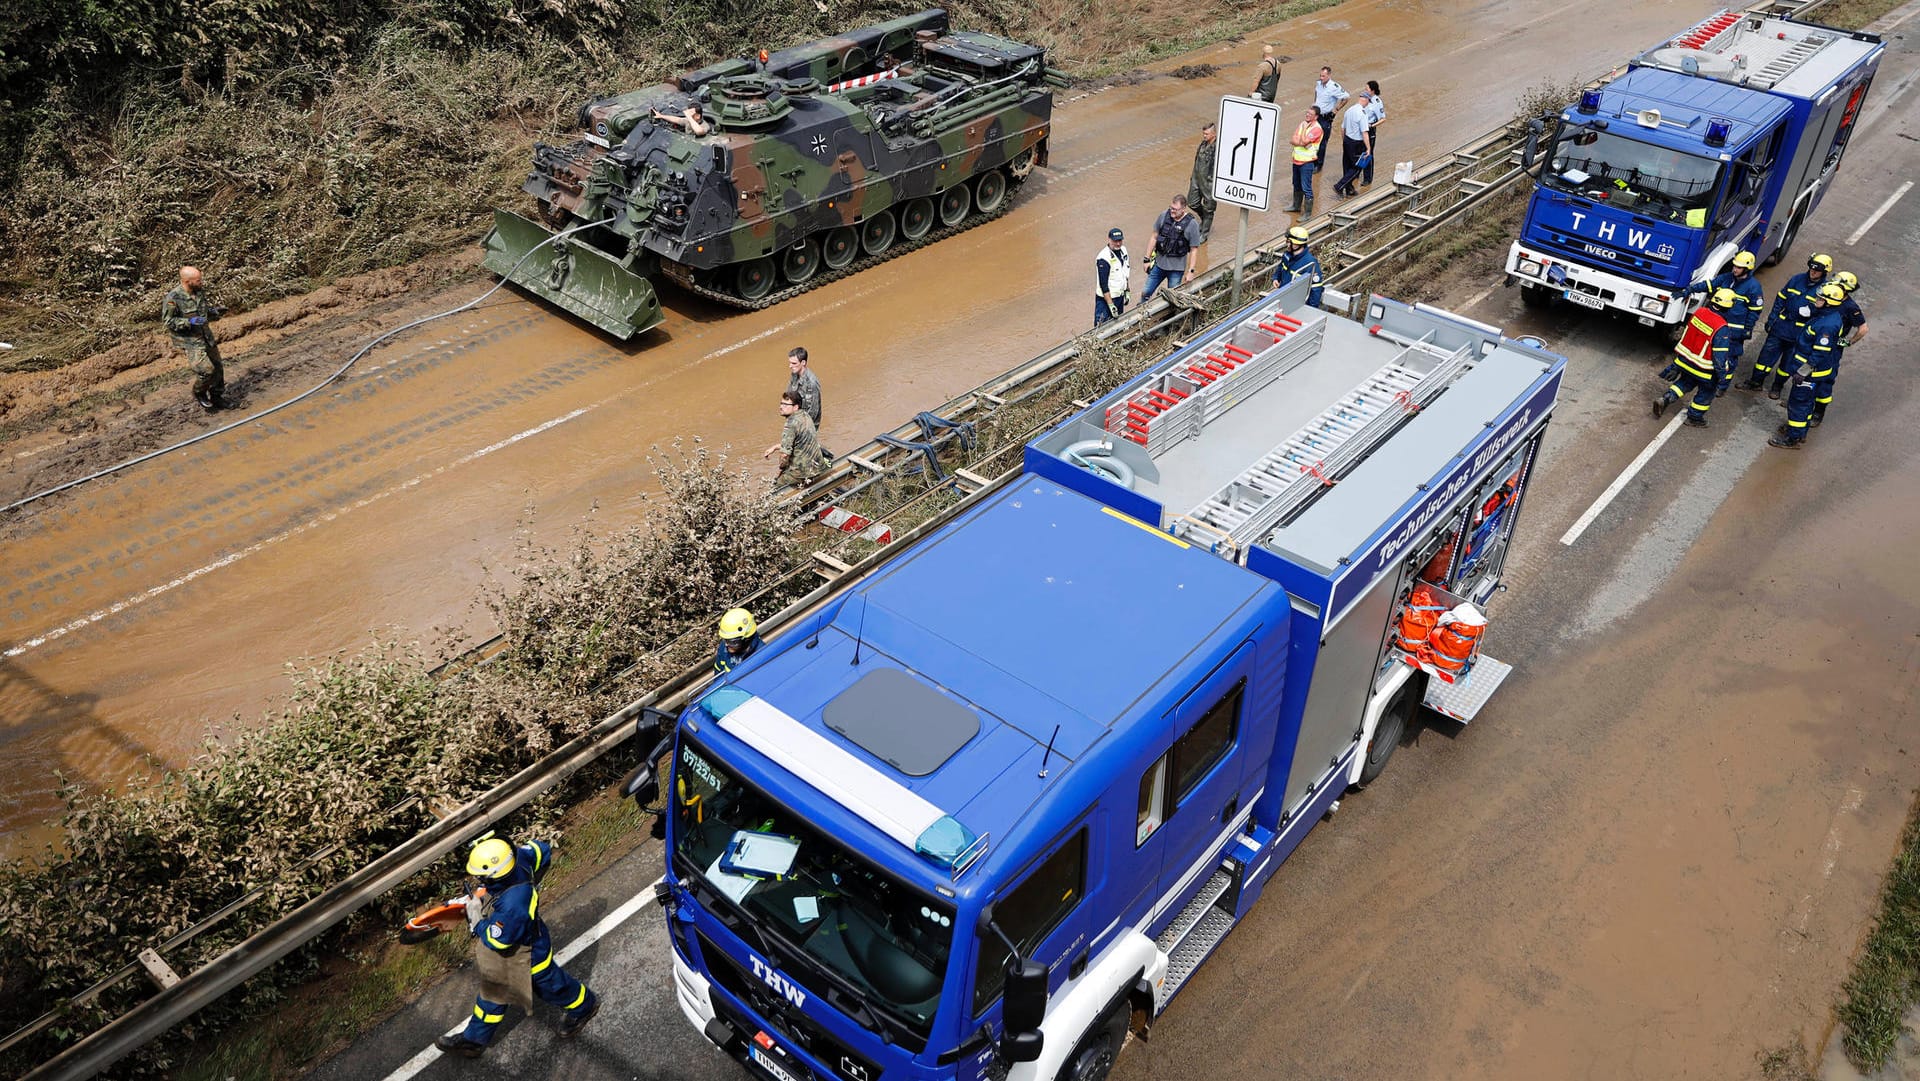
1463	698
1216	888
1193	949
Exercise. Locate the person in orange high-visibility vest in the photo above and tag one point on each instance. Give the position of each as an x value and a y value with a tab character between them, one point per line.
1704	357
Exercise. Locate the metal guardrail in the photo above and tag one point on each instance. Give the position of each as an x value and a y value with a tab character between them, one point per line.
1363	234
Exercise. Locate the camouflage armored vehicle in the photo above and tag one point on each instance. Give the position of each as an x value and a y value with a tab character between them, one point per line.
817	161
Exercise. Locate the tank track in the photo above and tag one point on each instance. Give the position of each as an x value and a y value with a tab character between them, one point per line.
900	247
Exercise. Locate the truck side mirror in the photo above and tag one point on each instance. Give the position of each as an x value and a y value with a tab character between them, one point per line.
1023	1008
651	725
1532	148
643	784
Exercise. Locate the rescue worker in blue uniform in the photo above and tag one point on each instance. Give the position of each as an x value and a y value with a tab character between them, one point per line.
1853	328
513	950
1703	359
1745	314
1819	346
1297	261
1792	307
739	637
1799	412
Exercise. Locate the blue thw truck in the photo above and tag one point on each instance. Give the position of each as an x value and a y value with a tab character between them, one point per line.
1720	141
992	805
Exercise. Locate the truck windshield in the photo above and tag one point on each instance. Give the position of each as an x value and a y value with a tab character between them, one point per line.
1647	179
797	885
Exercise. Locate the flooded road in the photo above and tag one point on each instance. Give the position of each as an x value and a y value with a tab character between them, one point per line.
144	611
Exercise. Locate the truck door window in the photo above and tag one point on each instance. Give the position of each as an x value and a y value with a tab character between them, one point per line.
1029	911
1206	742
1153	802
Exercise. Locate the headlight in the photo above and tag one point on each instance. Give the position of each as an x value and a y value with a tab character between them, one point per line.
1652	305
1529	267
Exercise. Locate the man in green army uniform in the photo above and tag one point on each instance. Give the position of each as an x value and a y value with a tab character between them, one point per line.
1200	189
801	459
189	316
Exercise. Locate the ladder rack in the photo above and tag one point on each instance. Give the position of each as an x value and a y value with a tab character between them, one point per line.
1178	403
1314	457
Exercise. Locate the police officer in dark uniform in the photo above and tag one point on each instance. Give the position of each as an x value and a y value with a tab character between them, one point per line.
513	950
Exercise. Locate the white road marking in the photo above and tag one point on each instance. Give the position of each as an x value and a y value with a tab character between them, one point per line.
1475	299
1829	859
1883	30
234	557
572	949
1619	482
1875	218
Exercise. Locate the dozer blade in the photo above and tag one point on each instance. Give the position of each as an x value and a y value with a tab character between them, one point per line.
573	274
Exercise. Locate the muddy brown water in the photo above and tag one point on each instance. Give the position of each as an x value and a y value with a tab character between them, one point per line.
145	611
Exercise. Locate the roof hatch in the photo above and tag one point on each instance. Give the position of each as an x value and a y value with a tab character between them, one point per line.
901	721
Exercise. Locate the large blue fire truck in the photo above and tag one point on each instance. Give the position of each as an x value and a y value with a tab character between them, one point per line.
1720	141
995	803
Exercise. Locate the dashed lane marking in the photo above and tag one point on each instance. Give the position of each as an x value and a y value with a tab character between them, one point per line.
1874	218
567	953
1626	475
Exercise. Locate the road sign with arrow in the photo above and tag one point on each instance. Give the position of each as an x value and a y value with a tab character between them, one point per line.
1243	171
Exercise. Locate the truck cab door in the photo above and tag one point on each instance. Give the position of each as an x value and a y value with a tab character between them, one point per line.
1203	773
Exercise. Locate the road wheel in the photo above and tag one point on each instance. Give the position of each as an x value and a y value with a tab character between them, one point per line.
876	233
839	248
754	278
954	203
800	262
916	218
1093	1057
1022	165
1392	728
990	191
1535	296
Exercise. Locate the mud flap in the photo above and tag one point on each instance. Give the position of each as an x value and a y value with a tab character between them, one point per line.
1463	698
573	274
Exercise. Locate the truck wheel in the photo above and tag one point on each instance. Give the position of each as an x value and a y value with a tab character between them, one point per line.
754	278
1093	1057
876	233
1534	296
802	261
916	218
954	203
839	248
990	191
1388	733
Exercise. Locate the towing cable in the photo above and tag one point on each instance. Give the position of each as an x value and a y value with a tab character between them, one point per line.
310	391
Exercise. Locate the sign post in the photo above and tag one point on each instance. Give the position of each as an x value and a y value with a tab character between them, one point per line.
1243	167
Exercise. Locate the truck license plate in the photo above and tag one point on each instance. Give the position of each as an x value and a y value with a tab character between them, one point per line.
770	1064
1585	300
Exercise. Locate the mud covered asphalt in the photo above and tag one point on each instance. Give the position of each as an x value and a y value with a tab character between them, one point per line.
1651	857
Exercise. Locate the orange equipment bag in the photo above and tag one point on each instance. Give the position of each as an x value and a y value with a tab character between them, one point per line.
1417	619
1451	645
1436	568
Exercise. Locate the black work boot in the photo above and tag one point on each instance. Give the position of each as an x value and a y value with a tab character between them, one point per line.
1819	414
575	1020
460	1045
1696	420
1784	442
1660	406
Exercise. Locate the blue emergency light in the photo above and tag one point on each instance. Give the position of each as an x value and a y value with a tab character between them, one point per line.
1717	132
1589	101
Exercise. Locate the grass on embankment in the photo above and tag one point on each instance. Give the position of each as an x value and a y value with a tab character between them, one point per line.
1886	978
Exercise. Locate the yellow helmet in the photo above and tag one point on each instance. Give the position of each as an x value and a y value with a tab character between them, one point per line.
1744	260
491	858
1297	234
737	623
1820	261
1846	280
1832	293
1724	298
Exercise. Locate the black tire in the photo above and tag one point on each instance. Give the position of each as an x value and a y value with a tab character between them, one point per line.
989	191
916	218
839	248
954	204
800	262
1391	729
1535	296
877	233
1093	1057
754	278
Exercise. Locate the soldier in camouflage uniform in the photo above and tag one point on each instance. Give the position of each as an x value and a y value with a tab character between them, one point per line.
801	459
1200	189
188	316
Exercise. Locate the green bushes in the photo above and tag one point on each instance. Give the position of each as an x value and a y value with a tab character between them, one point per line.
366	746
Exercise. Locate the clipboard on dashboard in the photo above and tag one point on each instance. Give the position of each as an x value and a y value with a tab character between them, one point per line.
751	854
